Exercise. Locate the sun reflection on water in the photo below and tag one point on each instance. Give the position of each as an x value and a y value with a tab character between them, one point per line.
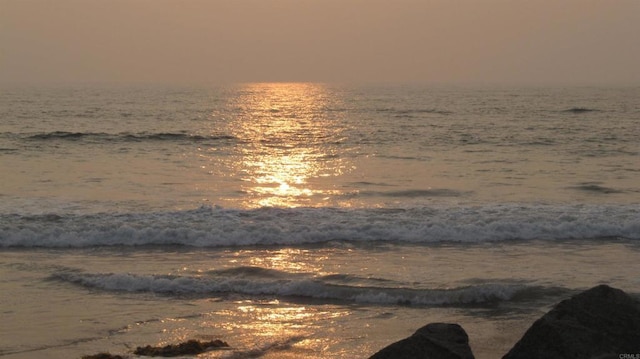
288	146
290	260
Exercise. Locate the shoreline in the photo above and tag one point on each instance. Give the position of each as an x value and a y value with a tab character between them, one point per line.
574	321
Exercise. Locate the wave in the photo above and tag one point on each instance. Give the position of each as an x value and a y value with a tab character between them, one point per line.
414	193
580	110
125	136
219	227
301	286
63	135
410	112
596	188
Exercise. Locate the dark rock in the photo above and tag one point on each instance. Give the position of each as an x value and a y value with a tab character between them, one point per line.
191	347
602	322
433	341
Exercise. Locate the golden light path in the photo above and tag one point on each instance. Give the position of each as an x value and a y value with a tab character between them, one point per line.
287	161
288	144
288	154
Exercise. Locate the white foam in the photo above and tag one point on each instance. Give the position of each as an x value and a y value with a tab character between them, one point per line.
216	227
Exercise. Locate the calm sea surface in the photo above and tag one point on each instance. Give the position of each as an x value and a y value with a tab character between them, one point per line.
307	220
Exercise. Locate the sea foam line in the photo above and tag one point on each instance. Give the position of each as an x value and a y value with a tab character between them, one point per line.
218	227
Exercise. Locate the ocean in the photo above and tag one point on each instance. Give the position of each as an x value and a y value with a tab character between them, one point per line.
304	220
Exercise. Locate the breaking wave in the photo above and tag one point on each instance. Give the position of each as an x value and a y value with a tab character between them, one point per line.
219	227
301	285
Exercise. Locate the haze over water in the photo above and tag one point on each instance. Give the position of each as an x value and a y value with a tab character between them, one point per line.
591	42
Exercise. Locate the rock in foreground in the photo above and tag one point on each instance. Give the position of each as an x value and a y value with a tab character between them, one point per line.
433	341
602	322
191	347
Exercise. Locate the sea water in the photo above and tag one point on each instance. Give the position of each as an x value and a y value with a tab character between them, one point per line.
307	220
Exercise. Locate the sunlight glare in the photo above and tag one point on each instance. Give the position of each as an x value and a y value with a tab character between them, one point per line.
287	144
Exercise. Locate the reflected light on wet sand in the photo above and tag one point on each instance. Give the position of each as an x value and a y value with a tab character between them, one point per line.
288	144
276	326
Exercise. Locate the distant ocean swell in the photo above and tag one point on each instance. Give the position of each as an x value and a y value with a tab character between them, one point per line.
302	286
219	227
118	137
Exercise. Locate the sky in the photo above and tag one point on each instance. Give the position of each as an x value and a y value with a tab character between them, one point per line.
585	42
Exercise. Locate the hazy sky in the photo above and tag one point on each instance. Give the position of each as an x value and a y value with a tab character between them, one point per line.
214	41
